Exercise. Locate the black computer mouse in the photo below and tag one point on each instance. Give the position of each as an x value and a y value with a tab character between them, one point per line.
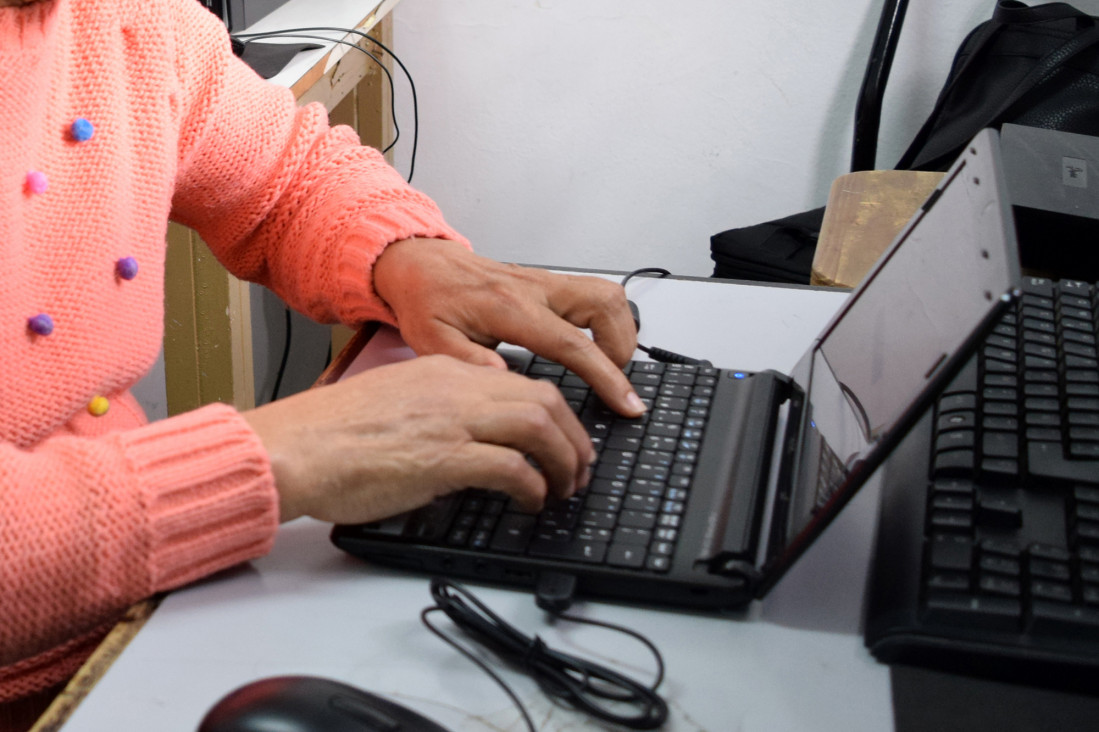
310	704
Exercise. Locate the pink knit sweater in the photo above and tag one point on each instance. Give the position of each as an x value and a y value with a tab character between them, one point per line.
97	512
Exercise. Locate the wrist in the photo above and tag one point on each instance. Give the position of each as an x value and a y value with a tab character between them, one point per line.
396	268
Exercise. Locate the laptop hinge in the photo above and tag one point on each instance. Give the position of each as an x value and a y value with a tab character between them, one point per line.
734	552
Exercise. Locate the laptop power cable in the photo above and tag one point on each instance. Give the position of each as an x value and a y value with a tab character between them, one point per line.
658	354
575	682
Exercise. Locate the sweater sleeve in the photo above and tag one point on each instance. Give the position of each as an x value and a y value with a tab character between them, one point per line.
89	526
281	197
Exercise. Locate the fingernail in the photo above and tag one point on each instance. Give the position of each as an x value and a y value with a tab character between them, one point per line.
635	402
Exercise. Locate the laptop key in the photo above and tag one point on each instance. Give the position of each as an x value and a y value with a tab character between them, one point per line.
630	556
592	552
637	519
431	522
630	535
513	533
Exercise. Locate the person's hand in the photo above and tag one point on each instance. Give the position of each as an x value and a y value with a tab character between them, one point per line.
449	300
395	437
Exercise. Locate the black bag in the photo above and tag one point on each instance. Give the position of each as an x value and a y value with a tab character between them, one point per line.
775	251
1036	66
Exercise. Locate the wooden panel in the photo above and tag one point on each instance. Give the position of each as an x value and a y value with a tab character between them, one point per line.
207	329
866	210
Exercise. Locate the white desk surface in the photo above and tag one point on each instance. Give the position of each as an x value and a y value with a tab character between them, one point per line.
794	661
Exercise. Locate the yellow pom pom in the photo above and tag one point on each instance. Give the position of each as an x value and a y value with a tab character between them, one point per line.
98	406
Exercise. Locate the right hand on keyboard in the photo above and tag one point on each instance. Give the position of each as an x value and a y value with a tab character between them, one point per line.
393	438
448	300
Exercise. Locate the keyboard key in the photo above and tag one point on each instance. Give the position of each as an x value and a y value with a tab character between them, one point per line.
1000	467
591	552
1087	450
1047	460
1000	565
431	522
1000	547
1050	570
957	421
954	463
662	548
592	533
1000	444
637	519
1000	513
1062	620
630	535
949	581
1086	532
956	402
599	502
1050	552
995	613
1043	419
955	439
951	553
607	486
513	533
1046	590
644	503
644	487
626	555
657	563
1002	586
599	519
961	521
954	486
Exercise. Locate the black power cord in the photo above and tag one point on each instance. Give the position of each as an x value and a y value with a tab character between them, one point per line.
600	691
658	354
285	356
304	33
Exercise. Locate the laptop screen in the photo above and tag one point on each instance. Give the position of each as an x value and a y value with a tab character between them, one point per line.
904	331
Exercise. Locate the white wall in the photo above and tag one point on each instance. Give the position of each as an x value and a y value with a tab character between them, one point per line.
623	133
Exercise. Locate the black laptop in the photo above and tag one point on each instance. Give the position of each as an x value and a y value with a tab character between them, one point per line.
709	498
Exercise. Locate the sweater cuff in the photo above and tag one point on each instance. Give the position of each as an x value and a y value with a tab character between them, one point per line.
355	273
209	493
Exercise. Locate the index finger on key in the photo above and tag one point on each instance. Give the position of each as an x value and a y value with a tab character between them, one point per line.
557	339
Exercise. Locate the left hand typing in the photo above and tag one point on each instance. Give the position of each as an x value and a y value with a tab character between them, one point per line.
450	301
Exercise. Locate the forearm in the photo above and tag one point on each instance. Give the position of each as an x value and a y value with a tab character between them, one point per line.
285	199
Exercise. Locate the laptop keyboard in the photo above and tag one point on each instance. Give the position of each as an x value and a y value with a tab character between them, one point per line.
629	516
1011	531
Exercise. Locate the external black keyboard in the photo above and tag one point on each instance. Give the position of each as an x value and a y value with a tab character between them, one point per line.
1004	534
629	516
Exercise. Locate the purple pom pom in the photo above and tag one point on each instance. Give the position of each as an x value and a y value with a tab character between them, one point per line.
126	268
41	324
